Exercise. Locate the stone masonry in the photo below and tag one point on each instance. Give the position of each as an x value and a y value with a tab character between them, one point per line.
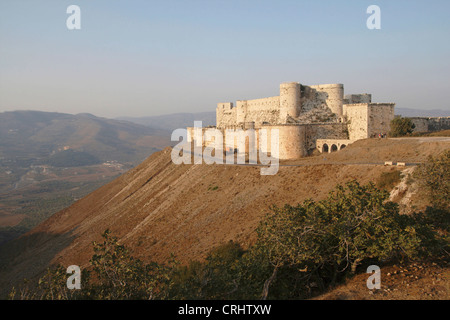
308	117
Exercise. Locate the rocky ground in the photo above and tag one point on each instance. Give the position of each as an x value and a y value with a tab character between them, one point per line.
411	281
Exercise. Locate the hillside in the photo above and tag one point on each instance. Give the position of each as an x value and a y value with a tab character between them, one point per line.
174	121
407	112
49	160
34	136
159	208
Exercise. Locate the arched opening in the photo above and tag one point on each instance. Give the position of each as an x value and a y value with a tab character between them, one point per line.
334	148
325	148
343	146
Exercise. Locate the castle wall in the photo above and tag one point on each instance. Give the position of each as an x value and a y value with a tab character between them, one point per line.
277	110
297	140
357	98
241	111
367	120
225	115
438	124
324	131
380	117
331	145
290	101
334	96
258	111
357	118
427	124
262	110
421	124
292	141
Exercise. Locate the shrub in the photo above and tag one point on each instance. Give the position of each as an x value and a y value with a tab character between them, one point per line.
354	224
434	177
401	127
216	278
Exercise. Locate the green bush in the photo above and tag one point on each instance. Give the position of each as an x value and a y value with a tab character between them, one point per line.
114	275
216	278
401	127
434	177
354	224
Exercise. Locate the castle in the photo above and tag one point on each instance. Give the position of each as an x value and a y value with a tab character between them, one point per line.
430	124
308	118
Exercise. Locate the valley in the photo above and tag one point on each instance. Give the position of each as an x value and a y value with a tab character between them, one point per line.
50	160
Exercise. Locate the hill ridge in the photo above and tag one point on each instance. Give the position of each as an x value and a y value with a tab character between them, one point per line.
159	208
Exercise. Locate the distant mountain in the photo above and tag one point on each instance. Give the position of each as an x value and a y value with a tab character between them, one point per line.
49	160
39	136
174	121
407	112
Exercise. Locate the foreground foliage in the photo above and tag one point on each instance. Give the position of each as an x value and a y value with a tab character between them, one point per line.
114	274
434	177
401	127
301	251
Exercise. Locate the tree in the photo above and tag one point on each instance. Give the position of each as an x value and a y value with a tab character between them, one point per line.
121	276
217	278
401	127
114	275
434	177
354	224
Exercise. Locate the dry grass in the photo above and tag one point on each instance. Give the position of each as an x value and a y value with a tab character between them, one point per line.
159	208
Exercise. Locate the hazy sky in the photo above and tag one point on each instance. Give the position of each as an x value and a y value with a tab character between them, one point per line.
140	58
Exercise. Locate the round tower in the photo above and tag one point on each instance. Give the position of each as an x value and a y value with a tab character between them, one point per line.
291	143
241	111
335	96
290	101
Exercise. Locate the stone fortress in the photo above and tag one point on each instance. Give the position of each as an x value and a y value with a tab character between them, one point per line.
308	118
430	124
